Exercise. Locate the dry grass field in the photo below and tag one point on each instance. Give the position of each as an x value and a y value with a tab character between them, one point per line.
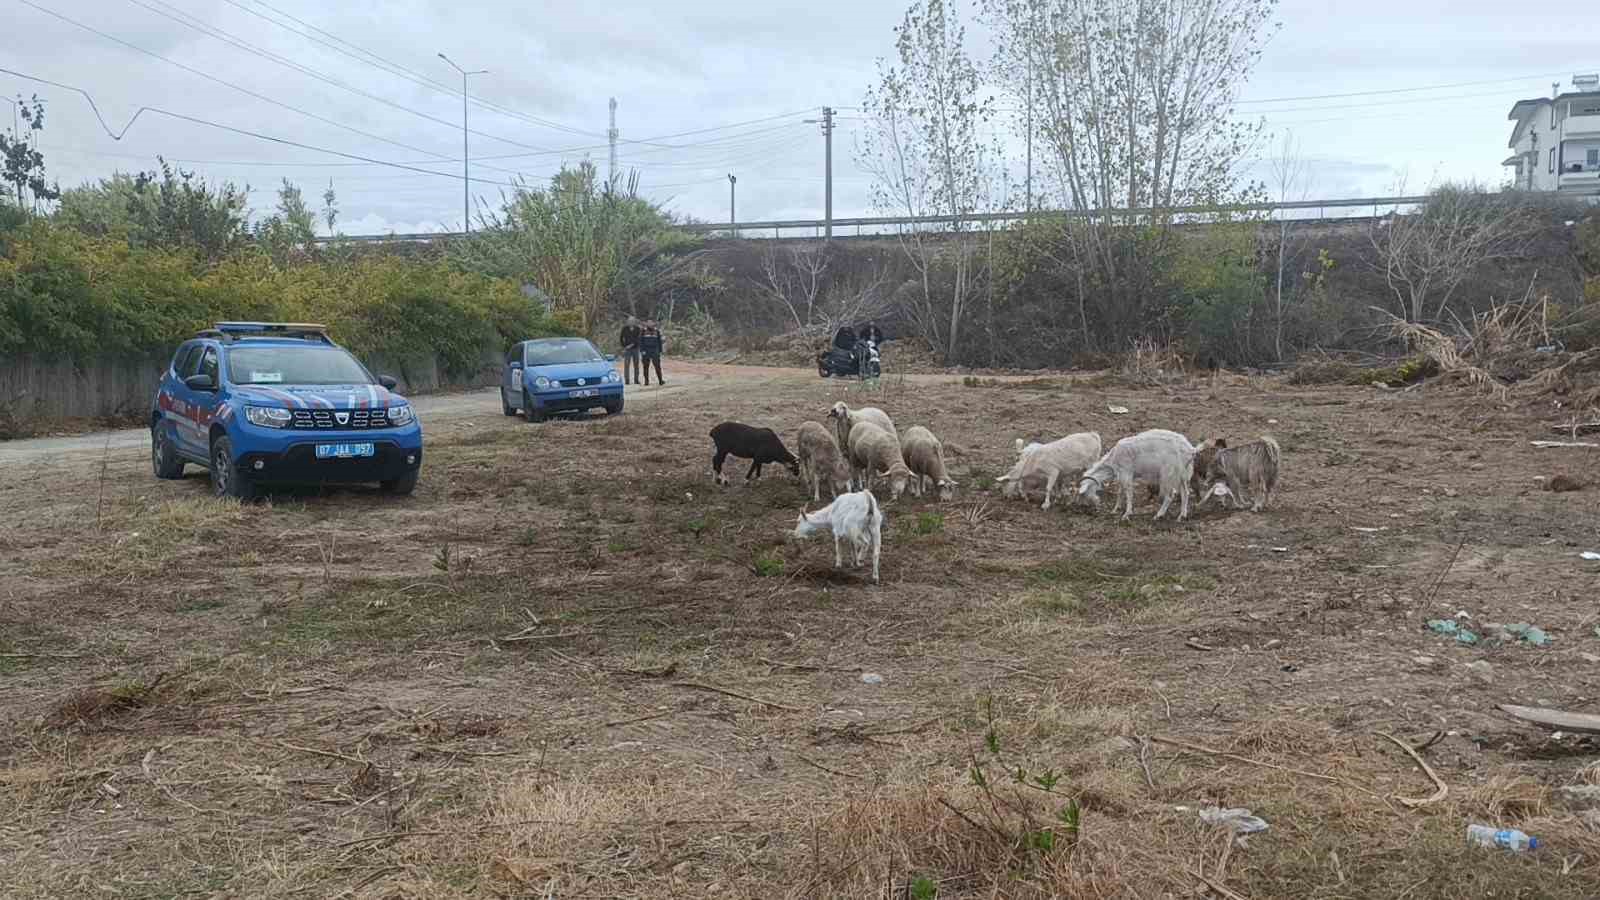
571	666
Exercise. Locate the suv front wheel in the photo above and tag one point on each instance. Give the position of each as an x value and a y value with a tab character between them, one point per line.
401	486
226	479
163	459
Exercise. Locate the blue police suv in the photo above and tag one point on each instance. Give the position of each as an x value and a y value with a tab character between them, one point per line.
278	403
552	375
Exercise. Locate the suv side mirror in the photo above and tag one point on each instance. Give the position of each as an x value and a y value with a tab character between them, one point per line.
611	358
200	382
388	382
515	364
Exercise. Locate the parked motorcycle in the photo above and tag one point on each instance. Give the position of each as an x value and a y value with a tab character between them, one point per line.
862	361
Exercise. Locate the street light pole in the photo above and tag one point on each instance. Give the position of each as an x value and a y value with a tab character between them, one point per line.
733	218
466	178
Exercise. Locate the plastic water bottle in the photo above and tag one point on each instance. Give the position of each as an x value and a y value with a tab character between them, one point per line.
1504	838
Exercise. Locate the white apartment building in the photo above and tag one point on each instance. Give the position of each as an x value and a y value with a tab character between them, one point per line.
1556	140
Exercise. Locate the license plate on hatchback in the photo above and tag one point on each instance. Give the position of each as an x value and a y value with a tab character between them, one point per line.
584	394
343	451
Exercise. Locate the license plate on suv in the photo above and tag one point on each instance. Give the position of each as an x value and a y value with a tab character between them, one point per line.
344	451
584	394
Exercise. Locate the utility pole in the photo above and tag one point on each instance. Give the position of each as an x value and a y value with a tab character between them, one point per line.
827	135
733	218
466	175
611	134
827	172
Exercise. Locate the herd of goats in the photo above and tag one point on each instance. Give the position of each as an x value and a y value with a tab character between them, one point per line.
863	447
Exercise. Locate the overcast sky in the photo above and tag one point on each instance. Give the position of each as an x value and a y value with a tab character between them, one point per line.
694	66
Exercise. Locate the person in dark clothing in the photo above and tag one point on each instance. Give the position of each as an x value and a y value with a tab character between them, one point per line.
872	332
651	345
630	351
844	339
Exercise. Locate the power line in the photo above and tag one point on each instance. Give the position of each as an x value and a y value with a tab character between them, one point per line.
117	135
212	31
373	59
1379	103
1405	90
213	78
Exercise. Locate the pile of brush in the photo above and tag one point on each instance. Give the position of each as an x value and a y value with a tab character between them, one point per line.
1510	348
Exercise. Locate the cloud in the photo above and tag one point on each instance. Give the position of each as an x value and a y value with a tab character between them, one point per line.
678	68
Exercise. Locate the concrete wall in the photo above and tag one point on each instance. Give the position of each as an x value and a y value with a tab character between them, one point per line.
39	390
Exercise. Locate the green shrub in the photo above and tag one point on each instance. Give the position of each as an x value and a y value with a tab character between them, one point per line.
83	296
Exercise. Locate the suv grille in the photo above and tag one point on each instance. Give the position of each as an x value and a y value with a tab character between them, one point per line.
326	419
588	381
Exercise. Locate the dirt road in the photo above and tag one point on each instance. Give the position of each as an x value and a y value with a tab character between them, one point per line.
435	410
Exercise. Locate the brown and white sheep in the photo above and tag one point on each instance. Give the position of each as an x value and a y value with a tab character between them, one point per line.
844	418
875	453
821	460
1250	470
924	456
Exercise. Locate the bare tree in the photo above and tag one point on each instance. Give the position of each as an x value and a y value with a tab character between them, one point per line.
860	296
796	281
927	158
1135	109
1291	181
1425	257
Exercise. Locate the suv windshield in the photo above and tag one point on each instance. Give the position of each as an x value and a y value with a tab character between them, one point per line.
294	365
555	353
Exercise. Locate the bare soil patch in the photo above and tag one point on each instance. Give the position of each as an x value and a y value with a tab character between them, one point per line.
572	666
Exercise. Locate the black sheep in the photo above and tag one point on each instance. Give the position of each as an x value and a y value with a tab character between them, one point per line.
759	445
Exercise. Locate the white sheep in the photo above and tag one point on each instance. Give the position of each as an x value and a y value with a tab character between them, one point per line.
844	418
1163	457
875	453
853	517
1048	462
924	456
821	460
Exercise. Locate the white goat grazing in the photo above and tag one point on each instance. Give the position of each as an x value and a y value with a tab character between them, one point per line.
853	517
875	453
844	418
924	456
1163	457
1048	462
821	460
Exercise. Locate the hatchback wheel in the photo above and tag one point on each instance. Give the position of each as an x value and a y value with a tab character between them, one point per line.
529	411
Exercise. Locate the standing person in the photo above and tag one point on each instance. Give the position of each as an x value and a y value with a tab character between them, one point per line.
871	332
630	351
651	345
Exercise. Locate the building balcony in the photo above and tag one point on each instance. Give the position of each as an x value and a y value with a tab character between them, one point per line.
1581	126
1587	182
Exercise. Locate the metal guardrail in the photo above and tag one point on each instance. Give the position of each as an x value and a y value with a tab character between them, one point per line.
758	229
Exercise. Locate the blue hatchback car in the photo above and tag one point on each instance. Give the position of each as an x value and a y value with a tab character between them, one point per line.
554	375
259	403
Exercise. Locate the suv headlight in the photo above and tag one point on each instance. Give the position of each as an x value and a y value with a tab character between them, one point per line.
268	416
541	382
401	415
612	378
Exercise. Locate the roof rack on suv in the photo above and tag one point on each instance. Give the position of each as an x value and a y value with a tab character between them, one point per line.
232	331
